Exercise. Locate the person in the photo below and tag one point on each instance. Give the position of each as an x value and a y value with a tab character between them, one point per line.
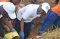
27	14
52	18
18	6
7	14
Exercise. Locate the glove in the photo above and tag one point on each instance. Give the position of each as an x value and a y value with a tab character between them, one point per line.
21	35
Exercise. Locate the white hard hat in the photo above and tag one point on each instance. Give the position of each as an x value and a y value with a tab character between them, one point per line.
10	9
45	7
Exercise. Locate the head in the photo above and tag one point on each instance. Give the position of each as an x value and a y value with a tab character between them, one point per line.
43	8
15	2
42	1
36	1
55	1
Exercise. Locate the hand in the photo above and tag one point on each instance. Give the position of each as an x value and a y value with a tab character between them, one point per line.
21	35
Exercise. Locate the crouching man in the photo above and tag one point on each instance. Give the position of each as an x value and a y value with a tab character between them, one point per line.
7	15
27	14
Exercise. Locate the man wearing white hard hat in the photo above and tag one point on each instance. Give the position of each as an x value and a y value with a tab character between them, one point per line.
7	15
9	10
27	14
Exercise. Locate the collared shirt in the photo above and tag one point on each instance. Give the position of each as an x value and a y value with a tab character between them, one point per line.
28	13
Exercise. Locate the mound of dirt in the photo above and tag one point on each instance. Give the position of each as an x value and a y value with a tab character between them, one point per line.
55	34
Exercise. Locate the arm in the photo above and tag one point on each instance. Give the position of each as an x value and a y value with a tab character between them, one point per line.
22	25
22	29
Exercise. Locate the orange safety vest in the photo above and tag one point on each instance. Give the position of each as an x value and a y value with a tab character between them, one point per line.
56	9
4	0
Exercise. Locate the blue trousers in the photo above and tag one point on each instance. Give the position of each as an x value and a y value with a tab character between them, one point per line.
51	18
27	27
